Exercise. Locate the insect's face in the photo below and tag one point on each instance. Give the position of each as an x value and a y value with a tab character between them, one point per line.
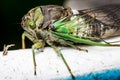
32	19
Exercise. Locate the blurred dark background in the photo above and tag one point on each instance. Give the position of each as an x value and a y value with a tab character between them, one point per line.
11	12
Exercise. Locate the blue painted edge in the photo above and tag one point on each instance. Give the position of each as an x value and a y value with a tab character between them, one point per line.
110	74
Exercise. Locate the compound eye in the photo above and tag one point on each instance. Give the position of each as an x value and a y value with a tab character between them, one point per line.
31	24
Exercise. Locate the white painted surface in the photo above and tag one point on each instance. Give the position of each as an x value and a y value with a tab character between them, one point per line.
18	64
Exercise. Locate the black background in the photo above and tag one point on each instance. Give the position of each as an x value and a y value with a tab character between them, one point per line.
11	12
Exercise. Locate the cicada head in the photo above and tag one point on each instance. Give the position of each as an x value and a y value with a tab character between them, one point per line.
32	19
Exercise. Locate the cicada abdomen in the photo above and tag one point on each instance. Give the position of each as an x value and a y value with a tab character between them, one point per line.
96	23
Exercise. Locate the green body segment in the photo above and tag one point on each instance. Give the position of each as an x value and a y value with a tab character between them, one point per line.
65	26
78	40
61	27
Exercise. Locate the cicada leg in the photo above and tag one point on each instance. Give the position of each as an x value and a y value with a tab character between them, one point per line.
24	34
71	45
37	44
30	37
60	54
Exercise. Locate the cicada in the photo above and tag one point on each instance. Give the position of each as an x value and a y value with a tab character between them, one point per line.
53	25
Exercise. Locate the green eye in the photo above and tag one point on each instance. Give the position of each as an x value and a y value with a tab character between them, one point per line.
30	24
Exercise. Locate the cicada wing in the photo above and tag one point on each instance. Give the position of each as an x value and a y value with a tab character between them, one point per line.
108	15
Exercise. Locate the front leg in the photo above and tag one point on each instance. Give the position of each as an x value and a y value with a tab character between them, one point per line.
38	44
30	37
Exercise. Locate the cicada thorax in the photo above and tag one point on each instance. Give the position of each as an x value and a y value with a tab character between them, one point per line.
53	13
